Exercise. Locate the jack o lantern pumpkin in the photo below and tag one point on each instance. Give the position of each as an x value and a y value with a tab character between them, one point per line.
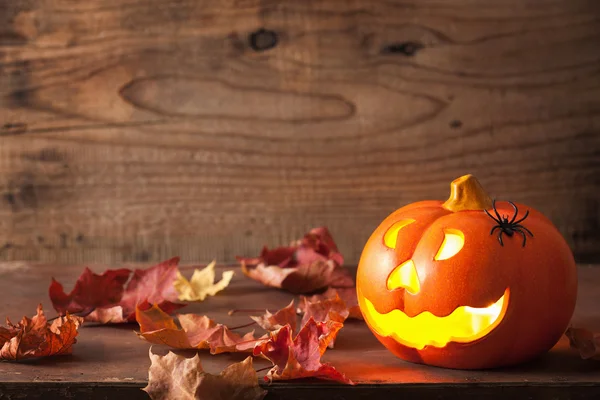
468	283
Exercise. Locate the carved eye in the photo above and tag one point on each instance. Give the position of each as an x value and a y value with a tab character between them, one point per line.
454	240
390	237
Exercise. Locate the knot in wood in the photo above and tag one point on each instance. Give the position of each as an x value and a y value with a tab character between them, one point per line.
263	39
404	48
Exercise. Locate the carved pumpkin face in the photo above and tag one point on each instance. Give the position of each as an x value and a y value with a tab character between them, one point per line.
450	285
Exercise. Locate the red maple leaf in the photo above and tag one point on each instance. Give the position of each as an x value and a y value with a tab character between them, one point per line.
153	285
110	301
320	241
35	337
271	322
197	332
281	256
331	309
308	264
347	295
301	357
317	244
91	291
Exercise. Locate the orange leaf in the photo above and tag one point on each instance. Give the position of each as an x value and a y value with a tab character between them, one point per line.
176	377
197	332
271	322
584	341
301	357
35	337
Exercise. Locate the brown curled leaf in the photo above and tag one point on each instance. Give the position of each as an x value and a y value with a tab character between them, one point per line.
36	337
175	377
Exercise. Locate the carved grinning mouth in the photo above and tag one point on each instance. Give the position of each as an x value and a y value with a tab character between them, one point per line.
465	324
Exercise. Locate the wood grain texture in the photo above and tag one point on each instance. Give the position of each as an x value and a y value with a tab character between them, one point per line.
134	130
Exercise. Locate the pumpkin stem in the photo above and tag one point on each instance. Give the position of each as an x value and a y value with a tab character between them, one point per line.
466	193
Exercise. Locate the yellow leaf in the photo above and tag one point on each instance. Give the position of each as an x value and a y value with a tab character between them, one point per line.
202	284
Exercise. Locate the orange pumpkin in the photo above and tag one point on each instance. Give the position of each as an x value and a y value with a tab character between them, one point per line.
468	283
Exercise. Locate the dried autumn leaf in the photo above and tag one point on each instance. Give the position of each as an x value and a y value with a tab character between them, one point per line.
584	341
281	256
347	295
271	322
110	301
308	264
35	337
202	283
111	315
153	285
332	309
91	291
317	244
197	332
176	377
301	357
305	278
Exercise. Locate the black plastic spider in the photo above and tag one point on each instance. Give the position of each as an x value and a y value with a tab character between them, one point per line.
509	227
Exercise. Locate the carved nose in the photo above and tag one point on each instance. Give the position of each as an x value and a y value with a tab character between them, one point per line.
404	276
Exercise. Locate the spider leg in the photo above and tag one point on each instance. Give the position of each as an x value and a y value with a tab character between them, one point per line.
517	227
494	228
524	236
492	217
516	211
500	238
522	219
496	210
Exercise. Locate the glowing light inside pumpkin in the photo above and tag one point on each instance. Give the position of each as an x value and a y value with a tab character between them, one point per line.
404	276
454	240
463	325
391	235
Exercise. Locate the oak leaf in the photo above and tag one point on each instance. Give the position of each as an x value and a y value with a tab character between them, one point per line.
301	357
202	283
271	322
36	337
196	332
347	295
307	265
586	342
175	377
113	303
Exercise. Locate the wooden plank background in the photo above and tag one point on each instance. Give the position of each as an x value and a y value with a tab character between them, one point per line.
135	130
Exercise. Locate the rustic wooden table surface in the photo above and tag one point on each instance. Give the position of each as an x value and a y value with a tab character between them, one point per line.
110	362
